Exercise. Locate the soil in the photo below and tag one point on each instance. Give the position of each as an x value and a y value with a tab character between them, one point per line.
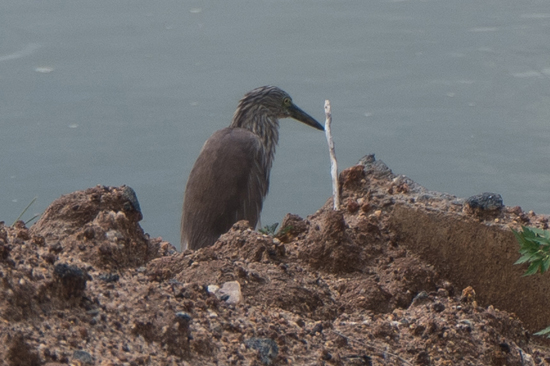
374	283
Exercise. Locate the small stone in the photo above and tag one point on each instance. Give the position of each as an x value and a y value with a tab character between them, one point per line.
72	280
438	307
212	288
182	317
84	357
318	328
109	277
230	292
266	347
420	299
465	324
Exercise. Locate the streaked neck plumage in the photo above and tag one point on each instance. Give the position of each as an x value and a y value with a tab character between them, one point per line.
262	122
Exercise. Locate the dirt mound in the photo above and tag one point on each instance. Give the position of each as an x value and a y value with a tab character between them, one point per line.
86	286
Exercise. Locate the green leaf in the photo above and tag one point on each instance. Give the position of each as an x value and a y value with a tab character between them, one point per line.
545	331
540	232
524	258
533	268
285	230
540	241
269	229
534	249
519	237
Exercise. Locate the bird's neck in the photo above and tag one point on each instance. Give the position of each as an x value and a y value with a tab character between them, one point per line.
264	125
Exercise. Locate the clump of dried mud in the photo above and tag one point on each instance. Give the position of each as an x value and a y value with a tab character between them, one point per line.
86	286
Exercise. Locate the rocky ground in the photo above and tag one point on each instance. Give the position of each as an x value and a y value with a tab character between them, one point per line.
86	286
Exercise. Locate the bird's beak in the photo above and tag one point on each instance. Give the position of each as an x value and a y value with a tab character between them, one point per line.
300	115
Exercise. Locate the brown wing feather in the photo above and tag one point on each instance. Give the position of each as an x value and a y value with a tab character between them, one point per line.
227	183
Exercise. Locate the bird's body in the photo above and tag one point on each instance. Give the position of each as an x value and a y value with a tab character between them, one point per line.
230	178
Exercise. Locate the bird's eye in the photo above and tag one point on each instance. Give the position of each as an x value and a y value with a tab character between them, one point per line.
287	101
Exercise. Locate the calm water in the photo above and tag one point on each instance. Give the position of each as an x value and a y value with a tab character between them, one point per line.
454	94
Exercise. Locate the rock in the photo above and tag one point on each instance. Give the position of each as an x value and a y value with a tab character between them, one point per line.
438	307
71	280
420	299
83	357
267	349
213	289
230	292
485	205
109	277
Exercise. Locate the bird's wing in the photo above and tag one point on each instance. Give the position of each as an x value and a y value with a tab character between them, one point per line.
227	183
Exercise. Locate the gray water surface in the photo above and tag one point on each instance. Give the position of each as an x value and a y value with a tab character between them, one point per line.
454	94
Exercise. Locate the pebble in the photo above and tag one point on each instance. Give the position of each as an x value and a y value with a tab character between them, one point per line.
83	356
230	292
266	347
212	288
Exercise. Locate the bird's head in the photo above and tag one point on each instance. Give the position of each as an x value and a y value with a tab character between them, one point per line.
269	102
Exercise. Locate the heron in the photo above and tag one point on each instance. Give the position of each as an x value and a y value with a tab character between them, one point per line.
230	178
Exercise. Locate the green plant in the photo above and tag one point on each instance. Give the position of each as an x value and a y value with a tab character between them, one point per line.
269	229
25	210
285	230
272	230
534	249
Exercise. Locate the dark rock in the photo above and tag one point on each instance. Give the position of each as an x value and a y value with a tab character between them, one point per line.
132	204
266	347
109	277
438	307
318	328
485	204
183	318
83	357
72	280
505	347
420	299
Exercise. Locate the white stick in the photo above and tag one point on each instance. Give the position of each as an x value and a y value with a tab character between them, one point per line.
333	163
